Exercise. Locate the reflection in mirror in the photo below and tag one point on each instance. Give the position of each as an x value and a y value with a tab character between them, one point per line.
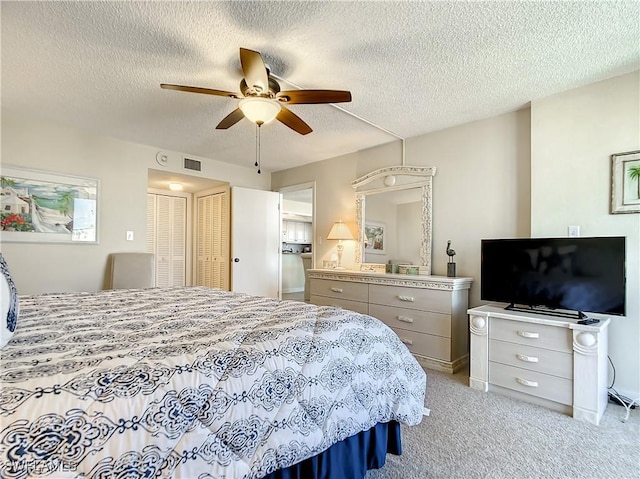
392	227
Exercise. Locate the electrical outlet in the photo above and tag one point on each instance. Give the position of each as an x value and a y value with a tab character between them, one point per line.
574	231
129	235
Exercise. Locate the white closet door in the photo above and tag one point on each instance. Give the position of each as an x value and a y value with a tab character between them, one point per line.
168	240
163	241
221	241
151	223
204	253
178	241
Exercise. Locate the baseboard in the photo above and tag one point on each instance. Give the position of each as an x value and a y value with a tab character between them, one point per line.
443	366
293	290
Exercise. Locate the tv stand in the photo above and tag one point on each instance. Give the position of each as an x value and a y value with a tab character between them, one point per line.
549	311
540	358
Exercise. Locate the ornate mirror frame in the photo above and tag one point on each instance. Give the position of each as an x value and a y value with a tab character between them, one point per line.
393	179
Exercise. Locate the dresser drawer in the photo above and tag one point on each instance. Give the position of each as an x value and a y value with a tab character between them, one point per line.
356	306
413	320
413	298
425	344
545	361
537	384
532	334
340	289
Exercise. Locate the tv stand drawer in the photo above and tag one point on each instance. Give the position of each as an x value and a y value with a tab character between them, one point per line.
532	334
522	356
544	386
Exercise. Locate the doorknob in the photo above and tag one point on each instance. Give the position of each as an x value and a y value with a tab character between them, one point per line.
236	260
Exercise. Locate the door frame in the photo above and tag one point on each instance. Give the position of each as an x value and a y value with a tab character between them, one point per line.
298	187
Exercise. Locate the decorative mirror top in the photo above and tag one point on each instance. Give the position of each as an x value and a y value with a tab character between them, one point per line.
394	178
381	241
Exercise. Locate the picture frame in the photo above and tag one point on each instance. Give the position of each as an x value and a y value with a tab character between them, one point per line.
625	182
374	237
46	207
380	268
329	264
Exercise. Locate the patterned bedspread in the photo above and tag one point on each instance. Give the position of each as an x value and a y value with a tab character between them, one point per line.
192	383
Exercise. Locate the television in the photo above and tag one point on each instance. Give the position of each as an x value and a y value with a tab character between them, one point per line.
563	275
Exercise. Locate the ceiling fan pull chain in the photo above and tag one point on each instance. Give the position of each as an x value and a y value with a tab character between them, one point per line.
258	125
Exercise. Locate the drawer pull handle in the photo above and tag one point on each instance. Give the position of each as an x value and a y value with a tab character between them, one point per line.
406	341
524	382
406	298
527	334
405	319
527	359
336	290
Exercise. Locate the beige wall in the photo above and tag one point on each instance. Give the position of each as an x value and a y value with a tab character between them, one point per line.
121	168
573	136
481	188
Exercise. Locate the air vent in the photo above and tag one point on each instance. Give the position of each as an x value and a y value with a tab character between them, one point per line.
192	164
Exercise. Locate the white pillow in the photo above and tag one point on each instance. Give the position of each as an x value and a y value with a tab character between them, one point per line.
8	304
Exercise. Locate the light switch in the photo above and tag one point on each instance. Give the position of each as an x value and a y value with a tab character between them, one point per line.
129	235
574	231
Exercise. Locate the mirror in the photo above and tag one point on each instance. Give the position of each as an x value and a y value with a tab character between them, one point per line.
393	216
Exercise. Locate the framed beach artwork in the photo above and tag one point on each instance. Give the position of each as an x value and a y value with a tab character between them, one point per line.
46	207
625	182
374	237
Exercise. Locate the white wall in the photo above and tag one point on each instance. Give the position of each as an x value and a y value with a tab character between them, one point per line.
121	168
573	136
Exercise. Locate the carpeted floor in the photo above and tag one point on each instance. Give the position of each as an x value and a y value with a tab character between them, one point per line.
471	434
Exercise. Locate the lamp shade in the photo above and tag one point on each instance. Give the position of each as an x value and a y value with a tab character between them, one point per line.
259	110
339	231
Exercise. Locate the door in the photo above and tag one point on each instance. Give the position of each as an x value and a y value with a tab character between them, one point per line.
255	242
298	200
212	248
166	238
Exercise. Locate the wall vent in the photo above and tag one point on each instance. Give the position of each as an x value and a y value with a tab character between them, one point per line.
192	164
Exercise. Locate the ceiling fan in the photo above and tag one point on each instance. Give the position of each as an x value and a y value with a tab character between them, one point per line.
262	100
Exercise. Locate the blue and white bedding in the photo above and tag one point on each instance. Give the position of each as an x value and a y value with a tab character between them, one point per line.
192	383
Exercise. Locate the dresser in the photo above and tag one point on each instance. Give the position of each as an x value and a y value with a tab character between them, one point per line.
428	313
544	359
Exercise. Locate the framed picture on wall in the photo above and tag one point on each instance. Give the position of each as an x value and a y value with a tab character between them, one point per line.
374	237
46	207
625	182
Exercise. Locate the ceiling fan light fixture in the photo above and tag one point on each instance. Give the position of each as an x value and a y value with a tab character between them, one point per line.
259	110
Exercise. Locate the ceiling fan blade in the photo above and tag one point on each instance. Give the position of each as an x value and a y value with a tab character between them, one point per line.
314	96
293	121
195	89
231	119
255	73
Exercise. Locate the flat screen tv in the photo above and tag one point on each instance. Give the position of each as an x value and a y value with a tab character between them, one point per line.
568	274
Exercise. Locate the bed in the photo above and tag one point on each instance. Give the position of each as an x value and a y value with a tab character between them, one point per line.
196	382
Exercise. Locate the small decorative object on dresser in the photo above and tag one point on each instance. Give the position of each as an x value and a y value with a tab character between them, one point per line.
451	266
554	362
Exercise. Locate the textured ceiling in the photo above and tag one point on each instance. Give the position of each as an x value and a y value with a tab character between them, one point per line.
412	67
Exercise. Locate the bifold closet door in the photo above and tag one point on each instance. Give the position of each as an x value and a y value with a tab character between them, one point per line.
212	249
166	238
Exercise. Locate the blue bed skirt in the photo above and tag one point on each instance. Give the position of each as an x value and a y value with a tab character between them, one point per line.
348	459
